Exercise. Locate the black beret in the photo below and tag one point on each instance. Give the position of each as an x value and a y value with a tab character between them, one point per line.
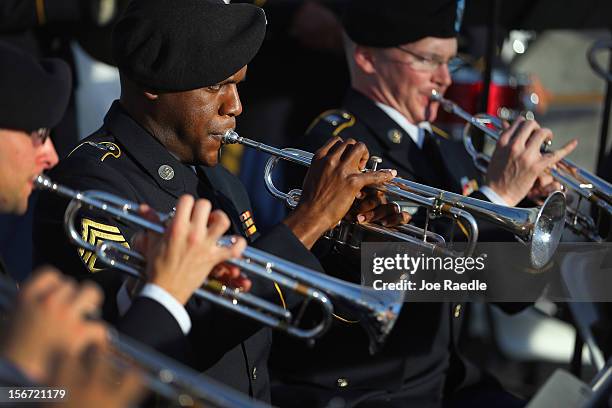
389	23
180	45
33	94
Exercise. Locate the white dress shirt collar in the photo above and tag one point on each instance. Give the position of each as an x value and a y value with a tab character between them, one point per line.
415	132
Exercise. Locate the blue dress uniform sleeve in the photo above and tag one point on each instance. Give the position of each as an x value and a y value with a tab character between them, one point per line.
282	242
152	324
279	240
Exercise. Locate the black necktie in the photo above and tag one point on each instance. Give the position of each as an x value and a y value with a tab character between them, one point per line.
431	168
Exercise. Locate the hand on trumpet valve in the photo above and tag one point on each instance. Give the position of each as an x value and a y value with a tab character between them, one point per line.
183	257
544	186
372	206
518	162
335	178
231	276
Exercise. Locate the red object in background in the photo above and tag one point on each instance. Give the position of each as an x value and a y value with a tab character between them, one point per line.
466	90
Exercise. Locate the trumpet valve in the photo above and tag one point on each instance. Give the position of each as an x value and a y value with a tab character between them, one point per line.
373	163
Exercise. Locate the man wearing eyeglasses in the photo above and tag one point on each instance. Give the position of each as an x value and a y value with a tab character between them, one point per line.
397	53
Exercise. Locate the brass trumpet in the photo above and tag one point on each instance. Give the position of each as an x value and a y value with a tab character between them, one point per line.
377	310
540	227
585	185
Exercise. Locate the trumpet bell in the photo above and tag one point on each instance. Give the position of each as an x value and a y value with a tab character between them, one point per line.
376	310
379	319
539	228
586	186
547	230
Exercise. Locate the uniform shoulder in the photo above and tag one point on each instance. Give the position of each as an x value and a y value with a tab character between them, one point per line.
100	146
336	122
97	162
98	154
440	133
332	122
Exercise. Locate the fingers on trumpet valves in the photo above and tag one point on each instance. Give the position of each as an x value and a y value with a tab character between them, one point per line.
325	149
538	138
238	246
228	241
508	135
373	163
393	172
353	151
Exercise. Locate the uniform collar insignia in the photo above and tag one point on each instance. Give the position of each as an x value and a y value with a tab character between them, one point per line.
165	172
395	136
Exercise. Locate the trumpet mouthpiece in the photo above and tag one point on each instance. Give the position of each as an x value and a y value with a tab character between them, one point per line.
230	137
42	182
435	95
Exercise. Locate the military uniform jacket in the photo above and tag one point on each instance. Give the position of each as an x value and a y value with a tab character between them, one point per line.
419	358
122	158
362	120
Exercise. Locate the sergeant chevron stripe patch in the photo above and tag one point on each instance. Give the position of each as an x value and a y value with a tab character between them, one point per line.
94	232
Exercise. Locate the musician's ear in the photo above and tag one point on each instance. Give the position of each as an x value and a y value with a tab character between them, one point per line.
364	59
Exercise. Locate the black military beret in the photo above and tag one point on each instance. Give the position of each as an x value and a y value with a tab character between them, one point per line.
389	23
181	45
33	94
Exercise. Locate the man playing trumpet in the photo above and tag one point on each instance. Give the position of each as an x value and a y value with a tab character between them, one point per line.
397	53
180	64
48	334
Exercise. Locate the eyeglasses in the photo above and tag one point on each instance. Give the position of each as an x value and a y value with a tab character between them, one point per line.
40	135
430	64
